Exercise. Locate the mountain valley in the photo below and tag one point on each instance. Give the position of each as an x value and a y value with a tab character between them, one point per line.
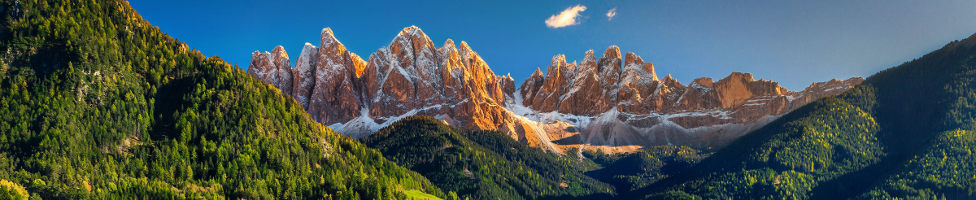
97	103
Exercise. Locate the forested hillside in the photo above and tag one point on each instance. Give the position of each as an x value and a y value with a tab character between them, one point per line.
485	164
632	171
97	103
907	132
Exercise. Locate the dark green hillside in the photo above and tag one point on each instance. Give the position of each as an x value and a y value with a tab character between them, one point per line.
632	171
484	164
906	132
96	103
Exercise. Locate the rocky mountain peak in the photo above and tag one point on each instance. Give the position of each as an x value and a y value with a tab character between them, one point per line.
609	69
280	53
588	57
537	73
414	39
612	52
669	80
635	69
449	45
272	68
284	76
304	74
704	82
465	49
407	77
330	44
614	101
259	63
558	60
632	58
411	31
588	66
739	76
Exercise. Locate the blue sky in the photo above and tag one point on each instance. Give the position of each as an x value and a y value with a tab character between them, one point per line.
792	42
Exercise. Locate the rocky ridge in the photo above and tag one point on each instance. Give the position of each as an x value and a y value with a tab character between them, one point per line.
409	76
614	103
619	103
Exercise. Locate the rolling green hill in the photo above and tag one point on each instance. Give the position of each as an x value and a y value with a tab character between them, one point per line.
97	103
484	164
906	132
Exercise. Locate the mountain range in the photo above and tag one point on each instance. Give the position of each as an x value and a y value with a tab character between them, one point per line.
615	103
97	103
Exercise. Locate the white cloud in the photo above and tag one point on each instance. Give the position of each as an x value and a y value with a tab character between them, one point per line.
566	18
611	14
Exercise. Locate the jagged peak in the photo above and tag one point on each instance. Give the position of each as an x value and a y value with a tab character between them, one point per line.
649	67
414	33
558	60
538	72
704	81
612	52
740	76
448	48
255	58
464	47
307	58
508	76
669	78
468	53
632	58
309	51
329	41
411	31
279	51
268	56
588	56
588	65
327	31
449	44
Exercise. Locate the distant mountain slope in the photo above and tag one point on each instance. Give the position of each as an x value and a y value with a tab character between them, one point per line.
96	103
906	132
484	164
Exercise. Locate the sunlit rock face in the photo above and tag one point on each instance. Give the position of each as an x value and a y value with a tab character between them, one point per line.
273	68
618	103
614	102
409	76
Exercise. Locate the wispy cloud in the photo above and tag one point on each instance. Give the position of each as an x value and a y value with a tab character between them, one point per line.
611	13
565	18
